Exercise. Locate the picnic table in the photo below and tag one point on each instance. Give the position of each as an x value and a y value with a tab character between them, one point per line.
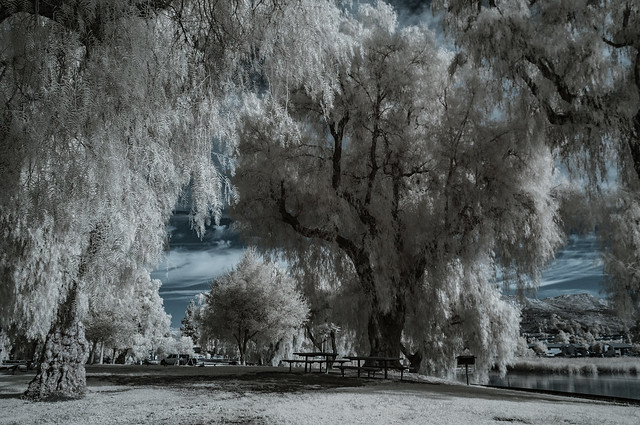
380	363
14	365
311	357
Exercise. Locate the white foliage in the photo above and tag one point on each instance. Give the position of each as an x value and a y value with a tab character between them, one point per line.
470	318
98	141
571	62
575	67
130	318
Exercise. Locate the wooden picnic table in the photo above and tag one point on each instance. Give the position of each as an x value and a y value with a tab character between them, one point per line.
376	359
312	357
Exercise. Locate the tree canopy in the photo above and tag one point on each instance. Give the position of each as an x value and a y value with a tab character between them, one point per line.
103	126
576	66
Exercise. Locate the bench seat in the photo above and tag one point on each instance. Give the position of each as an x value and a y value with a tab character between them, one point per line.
371	370
303	361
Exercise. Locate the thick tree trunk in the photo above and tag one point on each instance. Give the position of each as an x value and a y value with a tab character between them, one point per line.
60	369
385	330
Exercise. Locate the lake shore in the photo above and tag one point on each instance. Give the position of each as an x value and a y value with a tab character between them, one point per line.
587	366
265	395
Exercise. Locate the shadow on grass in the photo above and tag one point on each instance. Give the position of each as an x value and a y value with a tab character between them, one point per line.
9	396
261	382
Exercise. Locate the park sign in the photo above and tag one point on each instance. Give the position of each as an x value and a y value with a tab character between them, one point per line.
466	361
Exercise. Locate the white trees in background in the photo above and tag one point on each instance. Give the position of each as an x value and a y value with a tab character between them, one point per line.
409	175
131	320
257	302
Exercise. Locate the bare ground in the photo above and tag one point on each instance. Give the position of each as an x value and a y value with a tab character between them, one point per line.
261	395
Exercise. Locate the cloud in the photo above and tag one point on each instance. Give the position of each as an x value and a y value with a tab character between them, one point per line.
182	267
186	273
577	269
578	264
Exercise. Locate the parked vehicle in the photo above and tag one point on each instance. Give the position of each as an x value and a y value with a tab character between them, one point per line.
151	361
175	359
196	360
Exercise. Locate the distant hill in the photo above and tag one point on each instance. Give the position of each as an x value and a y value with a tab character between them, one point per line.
574	314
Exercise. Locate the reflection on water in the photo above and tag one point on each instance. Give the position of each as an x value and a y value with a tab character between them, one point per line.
625	386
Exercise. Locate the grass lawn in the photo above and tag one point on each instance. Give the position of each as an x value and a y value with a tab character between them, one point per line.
266	395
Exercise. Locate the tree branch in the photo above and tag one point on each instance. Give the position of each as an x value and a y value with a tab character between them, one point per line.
417	170
372	151
363	213
546	68
345	244
625	43
557	118
337	132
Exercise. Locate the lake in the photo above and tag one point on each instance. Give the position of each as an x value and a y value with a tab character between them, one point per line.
625	386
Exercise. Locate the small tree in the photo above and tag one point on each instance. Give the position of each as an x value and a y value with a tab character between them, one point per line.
256	301
190	323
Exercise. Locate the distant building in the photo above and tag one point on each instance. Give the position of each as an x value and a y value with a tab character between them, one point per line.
620	348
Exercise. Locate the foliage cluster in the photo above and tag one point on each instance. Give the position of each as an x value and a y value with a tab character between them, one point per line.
256	303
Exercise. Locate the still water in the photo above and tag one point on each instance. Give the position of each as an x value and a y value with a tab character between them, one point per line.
626	386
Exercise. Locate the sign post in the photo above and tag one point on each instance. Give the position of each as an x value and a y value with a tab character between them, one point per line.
466	361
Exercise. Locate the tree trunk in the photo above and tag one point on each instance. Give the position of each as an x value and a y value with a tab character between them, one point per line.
60	369
385	330
242	347
93	346
334	347
415	359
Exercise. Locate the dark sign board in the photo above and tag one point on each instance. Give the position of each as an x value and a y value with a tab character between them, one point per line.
466	360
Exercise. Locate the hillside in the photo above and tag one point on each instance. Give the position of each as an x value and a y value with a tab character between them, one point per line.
573	314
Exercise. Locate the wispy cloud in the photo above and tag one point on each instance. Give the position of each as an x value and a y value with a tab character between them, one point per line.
576	269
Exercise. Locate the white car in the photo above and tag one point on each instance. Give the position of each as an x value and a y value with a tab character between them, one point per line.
196	360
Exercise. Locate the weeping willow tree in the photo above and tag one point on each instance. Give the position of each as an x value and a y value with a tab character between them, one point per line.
105	120
406	173
576	66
